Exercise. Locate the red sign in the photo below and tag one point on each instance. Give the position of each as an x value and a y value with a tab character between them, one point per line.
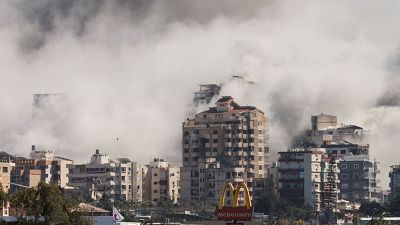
235	213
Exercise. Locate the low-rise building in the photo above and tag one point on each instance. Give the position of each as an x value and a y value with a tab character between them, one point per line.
42	167
117	179
161	182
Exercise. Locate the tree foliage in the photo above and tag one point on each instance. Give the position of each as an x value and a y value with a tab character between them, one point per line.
44	204
269	204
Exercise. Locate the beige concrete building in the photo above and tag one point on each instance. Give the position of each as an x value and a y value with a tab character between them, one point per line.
6	165
118	179
227	143
161	182
42	167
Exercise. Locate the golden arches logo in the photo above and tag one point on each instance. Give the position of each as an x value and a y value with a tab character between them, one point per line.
235	193
235	212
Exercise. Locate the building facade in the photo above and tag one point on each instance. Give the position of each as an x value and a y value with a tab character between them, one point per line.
358	179
43	166
227	143
394	184
308	177
161	182
117	179
6	166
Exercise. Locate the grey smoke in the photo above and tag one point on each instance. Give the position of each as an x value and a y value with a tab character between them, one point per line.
129	69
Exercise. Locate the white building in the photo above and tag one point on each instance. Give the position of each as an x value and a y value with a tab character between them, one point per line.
118	179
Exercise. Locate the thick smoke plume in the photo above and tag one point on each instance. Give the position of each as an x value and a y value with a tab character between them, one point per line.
129	68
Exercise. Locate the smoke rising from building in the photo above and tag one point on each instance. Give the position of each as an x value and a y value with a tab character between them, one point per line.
129	69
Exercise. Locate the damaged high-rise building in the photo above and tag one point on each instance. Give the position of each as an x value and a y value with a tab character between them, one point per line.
206	93
227	143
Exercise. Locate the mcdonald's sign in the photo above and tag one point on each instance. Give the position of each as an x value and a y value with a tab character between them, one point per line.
235	212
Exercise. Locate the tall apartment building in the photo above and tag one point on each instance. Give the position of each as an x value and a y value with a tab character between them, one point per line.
358	179
43	166
227	143
308	177
118	179
161	182
394	184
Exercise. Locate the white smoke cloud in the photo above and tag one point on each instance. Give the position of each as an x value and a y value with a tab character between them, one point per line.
129	69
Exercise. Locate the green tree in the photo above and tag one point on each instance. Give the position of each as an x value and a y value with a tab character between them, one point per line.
371	208
46	205
393	207
3	197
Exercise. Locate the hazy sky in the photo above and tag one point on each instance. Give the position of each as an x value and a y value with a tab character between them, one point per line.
129	70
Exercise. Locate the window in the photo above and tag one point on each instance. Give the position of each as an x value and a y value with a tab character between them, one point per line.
186	150
343	166
155	191
155	182
215	132
344	185
356	166
344	176
260	149
5	169
155	174
215	140
260	167
343	151
334	152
